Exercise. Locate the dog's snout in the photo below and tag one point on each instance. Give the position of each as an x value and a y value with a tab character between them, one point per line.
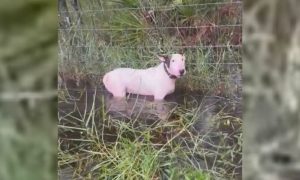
182	72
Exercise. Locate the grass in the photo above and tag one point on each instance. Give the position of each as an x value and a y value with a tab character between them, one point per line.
132	38
97	144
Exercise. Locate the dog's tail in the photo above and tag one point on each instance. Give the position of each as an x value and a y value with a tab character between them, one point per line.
105	79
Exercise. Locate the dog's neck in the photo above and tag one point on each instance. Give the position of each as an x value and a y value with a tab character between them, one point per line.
171	76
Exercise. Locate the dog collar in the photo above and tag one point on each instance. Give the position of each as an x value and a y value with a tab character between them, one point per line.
171	76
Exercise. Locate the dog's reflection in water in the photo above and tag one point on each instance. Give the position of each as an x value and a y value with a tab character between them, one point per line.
139	107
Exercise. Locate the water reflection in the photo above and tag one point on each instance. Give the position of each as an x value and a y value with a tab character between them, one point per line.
139	107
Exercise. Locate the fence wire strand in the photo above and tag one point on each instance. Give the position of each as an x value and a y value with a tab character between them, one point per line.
202	63
157	8
146	47
152	28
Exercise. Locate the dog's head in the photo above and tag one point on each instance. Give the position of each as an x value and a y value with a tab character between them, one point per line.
175	64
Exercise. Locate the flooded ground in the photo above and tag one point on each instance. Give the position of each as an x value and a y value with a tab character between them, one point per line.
216	120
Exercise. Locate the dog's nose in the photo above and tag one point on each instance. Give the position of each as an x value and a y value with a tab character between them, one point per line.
181	72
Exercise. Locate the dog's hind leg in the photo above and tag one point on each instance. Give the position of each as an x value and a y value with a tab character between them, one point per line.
113	85
119	93
118	90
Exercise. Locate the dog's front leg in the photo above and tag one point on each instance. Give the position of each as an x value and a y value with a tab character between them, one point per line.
159	96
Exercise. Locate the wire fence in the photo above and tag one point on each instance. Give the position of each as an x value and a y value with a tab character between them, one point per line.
109	35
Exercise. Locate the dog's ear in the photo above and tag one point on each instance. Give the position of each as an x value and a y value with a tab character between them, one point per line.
163	58
181	51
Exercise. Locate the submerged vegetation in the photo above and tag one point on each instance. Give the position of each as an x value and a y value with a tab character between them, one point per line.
198	139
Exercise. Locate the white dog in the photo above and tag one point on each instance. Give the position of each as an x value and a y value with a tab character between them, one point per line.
157	81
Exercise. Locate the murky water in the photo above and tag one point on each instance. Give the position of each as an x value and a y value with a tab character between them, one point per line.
78	97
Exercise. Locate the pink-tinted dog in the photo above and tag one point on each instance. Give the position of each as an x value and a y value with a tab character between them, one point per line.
157	81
